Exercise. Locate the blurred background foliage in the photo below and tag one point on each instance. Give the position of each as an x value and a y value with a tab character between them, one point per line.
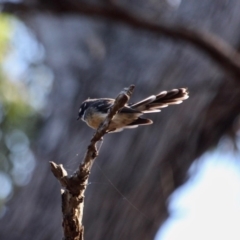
21	101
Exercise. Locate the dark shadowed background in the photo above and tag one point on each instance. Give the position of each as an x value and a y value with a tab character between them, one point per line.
79	56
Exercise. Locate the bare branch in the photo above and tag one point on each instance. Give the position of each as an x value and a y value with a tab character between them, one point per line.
222	53
74	187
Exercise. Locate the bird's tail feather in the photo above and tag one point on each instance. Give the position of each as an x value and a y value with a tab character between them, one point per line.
141	121
155	102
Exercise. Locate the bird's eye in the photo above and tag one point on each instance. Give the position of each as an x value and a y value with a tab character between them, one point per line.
80	113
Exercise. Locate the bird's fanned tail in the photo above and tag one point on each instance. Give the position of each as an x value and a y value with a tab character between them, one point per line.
155	102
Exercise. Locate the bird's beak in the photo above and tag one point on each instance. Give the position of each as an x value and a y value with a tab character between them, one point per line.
78	118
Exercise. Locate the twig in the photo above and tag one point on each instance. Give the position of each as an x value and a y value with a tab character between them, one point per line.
74	187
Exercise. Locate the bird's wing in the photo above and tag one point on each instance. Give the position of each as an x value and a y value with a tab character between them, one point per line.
106	103
127	109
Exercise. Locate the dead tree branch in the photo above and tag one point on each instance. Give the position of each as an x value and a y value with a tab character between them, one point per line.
221	52
73	187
